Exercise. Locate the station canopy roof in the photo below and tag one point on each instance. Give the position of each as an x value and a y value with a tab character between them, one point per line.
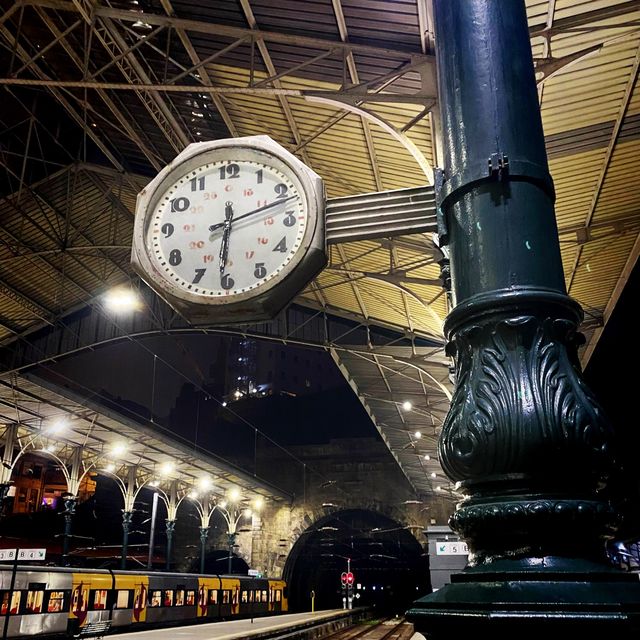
98	96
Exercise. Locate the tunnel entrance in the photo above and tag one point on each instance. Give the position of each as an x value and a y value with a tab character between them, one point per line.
390	567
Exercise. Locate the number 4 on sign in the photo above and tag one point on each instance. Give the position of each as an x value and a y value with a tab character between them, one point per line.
32	554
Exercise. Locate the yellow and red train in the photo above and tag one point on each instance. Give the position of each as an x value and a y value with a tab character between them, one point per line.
55	600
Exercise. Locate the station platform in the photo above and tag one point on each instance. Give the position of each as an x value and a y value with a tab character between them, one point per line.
246	628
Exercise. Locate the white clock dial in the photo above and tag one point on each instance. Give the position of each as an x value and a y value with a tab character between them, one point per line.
227	227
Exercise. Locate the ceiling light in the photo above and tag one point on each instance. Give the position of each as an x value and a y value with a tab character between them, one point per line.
438	488
417	435
258	503
222	504
193	495
110	468
406	405
167	468
427	457
204	483
234	494
433	474
247	513
122	300
119	449
58	425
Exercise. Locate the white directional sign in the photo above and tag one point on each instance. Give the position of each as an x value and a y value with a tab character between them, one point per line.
451	549
7	554
32	554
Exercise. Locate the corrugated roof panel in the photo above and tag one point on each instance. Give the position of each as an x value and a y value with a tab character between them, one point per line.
620	194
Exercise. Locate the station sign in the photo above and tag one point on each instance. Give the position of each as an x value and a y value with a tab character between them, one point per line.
22	554
452	549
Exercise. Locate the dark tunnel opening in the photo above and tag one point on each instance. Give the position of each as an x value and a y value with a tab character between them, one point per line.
390	567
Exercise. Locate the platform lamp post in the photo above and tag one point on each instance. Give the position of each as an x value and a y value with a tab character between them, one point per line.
172	503
525	440
233	511
205	503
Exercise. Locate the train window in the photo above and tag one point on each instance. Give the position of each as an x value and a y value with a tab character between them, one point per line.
278	595
235	596
257	596
79	599
35	596
243	596
213	596
250	595
100	599
168	598
225	596
122	599
56	602
191	597
15	602
264	596
155	598
179	597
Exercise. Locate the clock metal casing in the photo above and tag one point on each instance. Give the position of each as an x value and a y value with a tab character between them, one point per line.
262	300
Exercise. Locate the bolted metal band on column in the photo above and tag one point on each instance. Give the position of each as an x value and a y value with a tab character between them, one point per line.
525	440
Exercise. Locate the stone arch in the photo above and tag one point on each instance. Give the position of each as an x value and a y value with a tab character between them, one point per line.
385	555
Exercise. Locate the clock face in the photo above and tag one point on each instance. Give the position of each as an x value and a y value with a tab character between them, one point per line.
227	226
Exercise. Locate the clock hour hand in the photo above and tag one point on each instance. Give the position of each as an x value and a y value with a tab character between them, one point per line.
219	225
224	248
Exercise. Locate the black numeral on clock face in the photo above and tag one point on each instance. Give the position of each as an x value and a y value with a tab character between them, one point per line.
227	282
167	229
175	258
281	189
179	204
198	276
281	246
229	171
289	219
197	184
260	271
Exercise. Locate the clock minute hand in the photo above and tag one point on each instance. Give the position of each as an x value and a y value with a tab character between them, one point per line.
219	225
224	248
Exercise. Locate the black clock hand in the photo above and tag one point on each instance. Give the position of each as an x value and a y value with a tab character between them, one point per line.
214	227
224	248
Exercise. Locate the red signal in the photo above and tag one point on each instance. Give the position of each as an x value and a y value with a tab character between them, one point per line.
349	578
343	578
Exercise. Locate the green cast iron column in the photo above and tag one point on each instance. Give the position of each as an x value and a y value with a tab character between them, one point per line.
525	440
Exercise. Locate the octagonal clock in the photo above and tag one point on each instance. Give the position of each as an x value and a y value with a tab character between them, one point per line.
231	230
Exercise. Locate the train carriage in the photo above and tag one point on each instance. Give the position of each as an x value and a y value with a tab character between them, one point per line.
38	603
51	600
173	597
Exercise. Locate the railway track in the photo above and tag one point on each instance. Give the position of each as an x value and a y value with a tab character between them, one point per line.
387	629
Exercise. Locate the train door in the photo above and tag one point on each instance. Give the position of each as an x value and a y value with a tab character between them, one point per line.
79	606
209	597
230	597
130	599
